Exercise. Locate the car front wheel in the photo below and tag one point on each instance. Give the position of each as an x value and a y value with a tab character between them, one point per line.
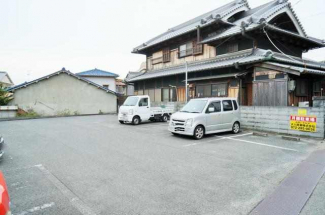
198	132
136	120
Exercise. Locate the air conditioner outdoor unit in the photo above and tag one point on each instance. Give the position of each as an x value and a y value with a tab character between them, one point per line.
303	104
291	85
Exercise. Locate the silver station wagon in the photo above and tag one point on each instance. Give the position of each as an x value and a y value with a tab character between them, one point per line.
206	116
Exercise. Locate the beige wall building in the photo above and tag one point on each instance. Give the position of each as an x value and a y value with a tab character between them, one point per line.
64	93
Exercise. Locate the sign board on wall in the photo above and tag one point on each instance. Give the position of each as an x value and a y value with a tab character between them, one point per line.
303	123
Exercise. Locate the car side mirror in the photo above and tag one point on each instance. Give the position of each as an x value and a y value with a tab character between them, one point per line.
211	109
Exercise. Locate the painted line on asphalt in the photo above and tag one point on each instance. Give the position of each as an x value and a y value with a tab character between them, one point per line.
263	144
219	138
234	137
37	208
73	198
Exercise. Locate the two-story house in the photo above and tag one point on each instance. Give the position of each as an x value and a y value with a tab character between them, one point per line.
236	51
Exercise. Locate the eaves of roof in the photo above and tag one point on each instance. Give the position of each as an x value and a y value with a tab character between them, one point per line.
221	61
302	70
26	84
231	60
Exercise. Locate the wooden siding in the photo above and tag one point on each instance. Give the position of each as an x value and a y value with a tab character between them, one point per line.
208	52
270	93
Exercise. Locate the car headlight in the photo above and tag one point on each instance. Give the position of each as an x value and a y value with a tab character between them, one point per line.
189	122
131	112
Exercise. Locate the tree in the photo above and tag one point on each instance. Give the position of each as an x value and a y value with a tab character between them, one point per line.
5	96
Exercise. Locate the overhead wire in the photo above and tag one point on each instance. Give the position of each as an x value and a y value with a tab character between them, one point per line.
280	49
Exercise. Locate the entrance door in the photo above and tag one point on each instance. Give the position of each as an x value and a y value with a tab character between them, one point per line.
270	93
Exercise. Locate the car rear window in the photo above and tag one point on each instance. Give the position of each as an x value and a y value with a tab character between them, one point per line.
227	105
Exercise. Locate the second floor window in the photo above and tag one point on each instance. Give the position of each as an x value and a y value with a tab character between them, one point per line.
186	49
190	48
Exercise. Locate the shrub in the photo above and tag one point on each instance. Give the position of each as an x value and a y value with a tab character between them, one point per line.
5	97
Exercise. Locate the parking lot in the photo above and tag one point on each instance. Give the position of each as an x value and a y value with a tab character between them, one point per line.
94	165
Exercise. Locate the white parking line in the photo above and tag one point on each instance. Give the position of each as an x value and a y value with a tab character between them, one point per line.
246	141
263	144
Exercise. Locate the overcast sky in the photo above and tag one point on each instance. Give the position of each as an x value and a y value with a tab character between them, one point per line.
39	37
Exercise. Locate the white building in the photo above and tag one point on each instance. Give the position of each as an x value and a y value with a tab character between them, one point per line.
100	77
63	93
5	80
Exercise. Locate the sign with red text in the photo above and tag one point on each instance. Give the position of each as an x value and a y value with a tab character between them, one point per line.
303	123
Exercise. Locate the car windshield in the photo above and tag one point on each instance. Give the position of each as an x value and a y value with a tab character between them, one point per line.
194	106
131	101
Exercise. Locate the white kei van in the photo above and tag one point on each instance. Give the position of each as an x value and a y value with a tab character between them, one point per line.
206	116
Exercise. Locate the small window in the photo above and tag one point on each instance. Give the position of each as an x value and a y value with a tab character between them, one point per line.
186	49
235	104
302	87
227	105
106	86
219	90
203	91
165	95
143	102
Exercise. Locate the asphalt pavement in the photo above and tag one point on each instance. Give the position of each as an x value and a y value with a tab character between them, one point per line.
94	165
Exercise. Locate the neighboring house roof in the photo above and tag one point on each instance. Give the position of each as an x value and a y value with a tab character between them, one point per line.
236	59
221	14
141	70
26	84
97	73
3	75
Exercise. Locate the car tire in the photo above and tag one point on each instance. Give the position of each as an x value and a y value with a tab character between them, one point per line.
122	122
136	120
165	118
198	132
236	128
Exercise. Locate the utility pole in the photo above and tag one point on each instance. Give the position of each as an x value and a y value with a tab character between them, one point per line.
186	94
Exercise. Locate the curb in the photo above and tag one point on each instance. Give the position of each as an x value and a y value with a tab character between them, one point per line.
49	117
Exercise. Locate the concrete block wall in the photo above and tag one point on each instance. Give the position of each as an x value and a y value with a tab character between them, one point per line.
277	119
176	106
8	112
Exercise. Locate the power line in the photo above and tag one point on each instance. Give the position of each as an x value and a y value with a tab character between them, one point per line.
297	2
277	47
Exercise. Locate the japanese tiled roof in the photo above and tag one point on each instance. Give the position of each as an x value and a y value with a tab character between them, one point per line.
221	13
97	73
26	84
251	19
245	57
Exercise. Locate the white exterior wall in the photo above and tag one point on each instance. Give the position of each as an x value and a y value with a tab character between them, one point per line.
64	94
6	82
110	81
